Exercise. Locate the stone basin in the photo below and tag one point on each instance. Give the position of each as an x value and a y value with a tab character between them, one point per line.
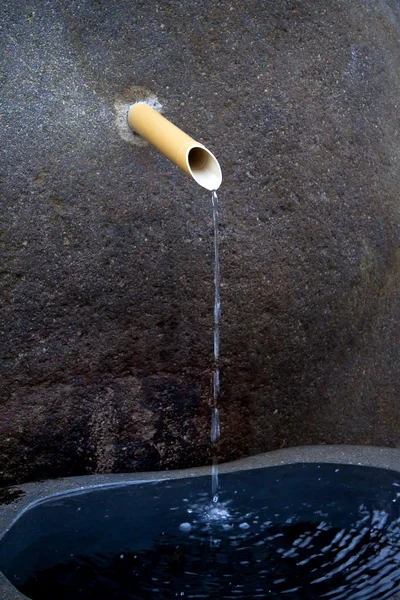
307	522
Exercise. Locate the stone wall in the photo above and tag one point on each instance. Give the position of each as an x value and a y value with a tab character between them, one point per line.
106	248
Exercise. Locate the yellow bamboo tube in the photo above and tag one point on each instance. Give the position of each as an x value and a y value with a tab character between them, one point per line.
184	151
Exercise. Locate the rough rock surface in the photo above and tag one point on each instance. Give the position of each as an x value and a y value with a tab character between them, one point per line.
106	248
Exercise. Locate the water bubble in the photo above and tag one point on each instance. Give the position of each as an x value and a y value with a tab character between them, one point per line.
215	542
185	527
244	526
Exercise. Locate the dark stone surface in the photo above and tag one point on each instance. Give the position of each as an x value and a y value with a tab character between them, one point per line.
106	249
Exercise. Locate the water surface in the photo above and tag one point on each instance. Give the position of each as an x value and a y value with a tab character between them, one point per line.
302	532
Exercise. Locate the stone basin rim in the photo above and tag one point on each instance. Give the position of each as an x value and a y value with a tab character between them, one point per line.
37	492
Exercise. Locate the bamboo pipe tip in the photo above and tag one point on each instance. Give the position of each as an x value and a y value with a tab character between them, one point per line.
204	167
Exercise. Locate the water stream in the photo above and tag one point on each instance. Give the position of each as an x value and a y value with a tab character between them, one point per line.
215	422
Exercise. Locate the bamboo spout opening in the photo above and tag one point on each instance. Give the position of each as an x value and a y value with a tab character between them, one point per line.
204	168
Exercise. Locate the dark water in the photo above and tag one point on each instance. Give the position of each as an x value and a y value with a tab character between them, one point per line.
301	532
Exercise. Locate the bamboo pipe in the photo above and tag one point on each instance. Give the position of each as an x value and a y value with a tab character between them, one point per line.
189	155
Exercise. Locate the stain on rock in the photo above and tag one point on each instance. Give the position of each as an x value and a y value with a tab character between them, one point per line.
10	495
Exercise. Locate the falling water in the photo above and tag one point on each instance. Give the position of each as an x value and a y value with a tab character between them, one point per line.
215	423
